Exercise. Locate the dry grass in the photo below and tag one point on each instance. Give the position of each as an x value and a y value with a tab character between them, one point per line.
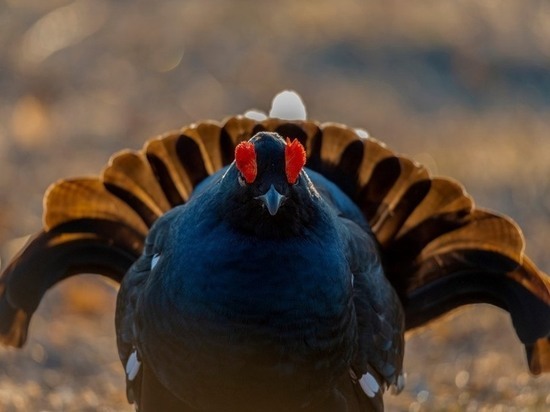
462	86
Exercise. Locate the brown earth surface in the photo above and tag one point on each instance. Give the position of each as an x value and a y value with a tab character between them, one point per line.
463	87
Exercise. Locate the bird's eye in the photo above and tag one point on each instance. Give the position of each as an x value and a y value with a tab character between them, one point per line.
296	181
155	260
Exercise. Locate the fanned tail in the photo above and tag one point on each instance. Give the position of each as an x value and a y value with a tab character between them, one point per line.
439	250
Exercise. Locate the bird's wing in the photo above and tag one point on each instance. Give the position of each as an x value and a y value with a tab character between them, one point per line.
380	319
132	287
438	250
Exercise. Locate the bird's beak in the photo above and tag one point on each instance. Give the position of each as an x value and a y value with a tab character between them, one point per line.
272	200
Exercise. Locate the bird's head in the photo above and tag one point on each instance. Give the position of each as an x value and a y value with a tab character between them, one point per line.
268	190
268	168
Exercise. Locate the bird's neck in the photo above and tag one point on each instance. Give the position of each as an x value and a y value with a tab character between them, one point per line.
297	217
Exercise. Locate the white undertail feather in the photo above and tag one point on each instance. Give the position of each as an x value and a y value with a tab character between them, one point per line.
132	366
288	105
369	385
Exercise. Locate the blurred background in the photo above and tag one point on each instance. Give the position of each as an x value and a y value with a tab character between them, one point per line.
461	86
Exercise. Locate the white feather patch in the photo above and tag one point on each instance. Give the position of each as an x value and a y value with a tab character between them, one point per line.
369	385
255	115
398	386
288	105
362	133
155	260
132	366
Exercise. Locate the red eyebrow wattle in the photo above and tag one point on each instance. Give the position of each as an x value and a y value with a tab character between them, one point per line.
245	159
295	159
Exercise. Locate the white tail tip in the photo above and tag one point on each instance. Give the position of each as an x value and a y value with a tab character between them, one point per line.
255	115
288	105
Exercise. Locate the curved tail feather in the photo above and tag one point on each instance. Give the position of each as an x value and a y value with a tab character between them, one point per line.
79	246
528	310
438	249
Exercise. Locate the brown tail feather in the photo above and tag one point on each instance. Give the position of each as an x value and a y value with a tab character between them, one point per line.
130	177
538	355
538	352
162	154
74	199
446	200
438	249
78	246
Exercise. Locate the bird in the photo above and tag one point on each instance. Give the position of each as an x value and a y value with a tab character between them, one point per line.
274	264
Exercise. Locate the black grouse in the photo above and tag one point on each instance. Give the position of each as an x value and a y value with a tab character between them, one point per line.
274	265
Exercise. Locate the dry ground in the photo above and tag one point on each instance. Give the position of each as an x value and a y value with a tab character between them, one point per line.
463	87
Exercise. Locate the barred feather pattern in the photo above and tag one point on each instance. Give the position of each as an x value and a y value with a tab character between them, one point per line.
439	250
